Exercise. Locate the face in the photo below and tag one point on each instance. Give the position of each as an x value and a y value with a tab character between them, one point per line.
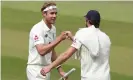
50	16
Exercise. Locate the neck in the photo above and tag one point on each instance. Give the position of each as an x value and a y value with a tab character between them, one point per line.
48	24
89	25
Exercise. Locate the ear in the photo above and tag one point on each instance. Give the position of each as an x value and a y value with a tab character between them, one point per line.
90	22
44	13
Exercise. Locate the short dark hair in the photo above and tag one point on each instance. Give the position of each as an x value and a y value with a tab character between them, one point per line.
93	17
96	23
46	4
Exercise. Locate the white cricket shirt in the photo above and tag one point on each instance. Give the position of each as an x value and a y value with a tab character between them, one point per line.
40	34
94	48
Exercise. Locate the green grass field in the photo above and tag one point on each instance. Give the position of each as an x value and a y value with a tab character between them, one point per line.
19	17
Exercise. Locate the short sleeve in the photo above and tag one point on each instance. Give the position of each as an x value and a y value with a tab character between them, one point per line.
76	42
37	39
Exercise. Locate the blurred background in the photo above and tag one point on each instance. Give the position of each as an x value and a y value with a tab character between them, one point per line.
18	17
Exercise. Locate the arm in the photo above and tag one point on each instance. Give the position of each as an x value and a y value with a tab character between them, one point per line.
44	49
63	57
54	57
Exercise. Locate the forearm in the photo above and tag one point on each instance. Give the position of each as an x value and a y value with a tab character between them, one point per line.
60	69
54	55
61	59
47	48
54	58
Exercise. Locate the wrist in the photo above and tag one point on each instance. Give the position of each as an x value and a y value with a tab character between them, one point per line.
72	38
50	67
59	38
59	66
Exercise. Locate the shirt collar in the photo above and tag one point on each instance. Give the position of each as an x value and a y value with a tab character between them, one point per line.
46	28
92	26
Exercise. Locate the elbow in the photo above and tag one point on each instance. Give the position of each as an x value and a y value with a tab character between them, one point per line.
41	52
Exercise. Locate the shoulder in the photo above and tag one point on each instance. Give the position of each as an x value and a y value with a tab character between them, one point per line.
104	35
81	31
37	28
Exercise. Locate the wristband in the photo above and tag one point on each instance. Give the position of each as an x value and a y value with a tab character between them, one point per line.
58	66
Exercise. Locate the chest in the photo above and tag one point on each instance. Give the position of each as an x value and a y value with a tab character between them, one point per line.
48	37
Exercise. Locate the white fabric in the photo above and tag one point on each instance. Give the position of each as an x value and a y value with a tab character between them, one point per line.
40	34
94	52
33	73
50	7
77	44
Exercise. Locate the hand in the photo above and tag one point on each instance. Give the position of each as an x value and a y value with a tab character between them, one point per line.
63	36
62	74
45	70
69	34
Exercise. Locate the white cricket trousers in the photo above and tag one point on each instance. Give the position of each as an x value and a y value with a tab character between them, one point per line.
96	78
33	73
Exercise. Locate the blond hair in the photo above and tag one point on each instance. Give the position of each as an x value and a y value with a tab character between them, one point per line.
47	4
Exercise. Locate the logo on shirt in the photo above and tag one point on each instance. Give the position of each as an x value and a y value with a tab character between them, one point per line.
74	41
46	35
36	37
